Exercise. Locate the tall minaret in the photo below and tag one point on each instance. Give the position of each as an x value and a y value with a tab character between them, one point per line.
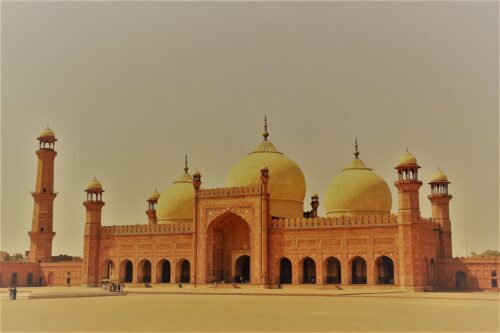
151	212
93	205
408	186
440	200
42	233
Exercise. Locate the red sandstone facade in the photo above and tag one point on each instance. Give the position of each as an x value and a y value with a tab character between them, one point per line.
234	238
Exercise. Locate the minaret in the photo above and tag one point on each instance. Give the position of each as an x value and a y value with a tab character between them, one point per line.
93	205
196	186
266	217
151	212
440	200
408	186
42	233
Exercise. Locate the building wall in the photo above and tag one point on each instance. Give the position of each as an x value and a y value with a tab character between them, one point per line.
64	273
140	244
50	273
480	273
21	271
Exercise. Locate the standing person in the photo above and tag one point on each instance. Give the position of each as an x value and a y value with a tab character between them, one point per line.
10	293
14	293
122	286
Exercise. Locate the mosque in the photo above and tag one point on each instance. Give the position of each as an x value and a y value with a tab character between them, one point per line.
255	231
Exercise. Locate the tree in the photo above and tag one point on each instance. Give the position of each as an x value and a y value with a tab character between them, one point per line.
487	253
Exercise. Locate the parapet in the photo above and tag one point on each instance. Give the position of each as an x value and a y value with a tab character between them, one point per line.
334	222
146	229
229	191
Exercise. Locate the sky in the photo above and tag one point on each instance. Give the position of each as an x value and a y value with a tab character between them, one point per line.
129	88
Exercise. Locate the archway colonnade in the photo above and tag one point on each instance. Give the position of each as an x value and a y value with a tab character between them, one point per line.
332	270
306	270
147	271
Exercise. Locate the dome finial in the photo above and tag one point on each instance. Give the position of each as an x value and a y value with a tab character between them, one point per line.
186	168
266	133
356	152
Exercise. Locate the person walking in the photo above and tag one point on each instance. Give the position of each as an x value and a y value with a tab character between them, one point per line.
14	293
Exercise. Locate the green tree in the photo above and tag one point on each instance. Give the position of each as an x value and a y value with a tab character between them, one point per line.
487	253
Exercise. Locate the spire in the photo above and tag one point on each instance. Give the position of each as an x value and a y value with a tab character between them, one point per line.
186	168
356	152
266	133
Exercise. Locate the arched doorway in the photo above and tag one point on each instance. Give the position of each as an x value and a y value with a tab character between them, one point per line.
385	270
126	271
432	273
242	270
13	279
228	236
308	271
109	270
358	271
144	271
460	280
285	271
163	270
332	271
29	279
184	271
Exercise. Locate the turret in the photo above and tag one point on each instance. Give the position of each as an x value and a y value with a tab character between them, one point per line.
151	212
42	234
314	205
408	186
440	200
93	206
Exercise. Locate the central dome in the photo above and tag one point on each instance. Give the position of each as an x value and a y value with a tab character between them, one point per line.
356	191
287	185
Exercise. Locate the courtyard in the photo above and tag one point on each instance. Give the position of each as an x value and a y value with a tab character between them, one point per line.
276	311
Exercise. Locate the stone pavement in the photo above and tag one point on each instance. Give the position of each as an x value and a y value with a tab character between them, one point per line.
175	312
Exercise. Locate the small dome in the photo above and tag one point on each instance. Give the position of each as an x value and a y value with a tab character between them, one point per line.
356	191
287	185
94	184
176	203
47	133
155	195
439	176
407	159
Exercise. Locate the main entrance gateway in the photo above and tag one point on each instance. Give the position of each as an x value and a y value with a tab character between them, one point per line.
229	249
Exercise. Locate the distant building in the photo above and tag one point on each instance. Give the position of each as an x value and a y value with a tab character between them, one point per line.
255	231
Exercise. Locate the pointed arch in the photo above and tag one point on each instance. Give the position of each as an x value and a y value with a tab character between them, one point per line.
183	271
308	271
384	268
332	271
163	271
126	271
144	271
358	270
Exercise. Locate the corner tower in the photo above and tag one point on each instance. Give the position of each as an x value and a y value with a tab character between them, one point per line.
440	200
93	205
42	234
408	186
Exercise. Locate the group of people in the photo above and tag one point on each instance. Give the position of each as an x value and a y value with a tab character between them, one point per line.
13	293
113	287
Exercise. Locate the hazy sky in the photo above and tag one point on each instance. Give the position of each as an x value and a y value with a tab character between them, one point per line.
129	88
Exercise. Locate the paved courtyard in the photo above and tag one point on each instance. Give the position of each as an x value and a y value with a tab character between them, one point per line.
384	312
